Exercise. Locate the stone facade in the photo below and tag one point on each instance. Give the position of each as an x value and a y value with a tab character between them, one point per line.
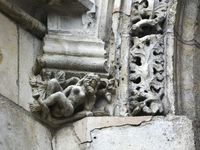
99	74
139	133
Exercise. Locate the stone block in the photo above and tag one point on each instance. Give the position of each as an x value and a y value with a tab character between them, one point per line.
19	131
29	48
127	133
66	139
8	58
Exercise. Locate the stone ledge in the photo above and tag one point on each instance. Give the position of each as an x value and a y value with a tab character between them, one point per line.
117	133
86	125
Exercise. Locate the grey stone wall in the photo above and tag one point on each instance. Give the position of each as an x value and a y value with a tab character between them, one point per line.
186	60
18	129
18	51
128	133
186	68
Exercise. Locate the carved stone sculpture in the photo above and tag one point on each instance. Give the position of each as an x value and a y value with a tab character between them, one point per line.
148	17
105	92
58	98
138	59
146	67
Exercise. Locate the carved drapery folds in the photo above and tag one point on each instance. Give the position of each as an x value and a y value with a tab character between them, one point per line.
147	73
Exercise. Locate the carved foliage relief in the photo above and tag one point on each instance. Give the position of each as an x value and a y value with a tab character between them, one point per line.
146	62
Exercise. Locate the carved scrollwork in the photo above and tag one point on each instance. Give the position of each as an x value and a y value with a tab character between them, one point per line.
147	74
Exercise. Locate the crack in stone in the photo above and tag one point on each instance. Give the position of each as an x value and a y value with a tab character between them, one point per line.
52	144
112	126
77	137
121	13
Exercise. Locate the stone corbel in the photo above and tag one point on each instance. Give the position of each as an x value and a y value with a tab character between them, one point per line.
58	99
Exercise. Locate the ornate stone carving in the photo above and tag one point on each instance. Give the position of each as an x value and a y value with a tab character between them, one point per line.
147	75
58	98
148	17
104	103
61	98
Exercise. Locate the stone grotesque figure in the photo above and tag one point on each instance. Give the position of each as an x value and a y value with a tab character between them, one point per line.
147	17
62	102
104	103
144	102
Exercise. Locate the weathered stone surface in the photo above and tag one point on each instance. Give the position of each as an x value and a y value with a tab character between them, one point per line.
19	131
84	127
169	49
89	64
78	135
73	46
151	61
187	78
9	59
139	133
29	48
18	51
66	140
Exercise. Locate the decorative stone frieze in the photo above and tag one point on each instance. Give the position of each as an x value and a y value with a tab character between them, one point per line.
147	57
147	75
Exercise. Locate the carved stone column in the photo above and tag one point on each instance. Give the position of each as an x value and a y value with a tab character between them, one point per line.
75	36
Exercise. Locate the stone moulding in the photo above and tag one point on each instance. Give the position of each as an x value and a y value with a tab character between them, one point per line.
89	64
71	53
73	46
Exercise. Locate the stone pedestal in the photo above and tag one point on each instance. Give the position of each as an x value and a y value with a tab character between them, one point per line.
129	133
